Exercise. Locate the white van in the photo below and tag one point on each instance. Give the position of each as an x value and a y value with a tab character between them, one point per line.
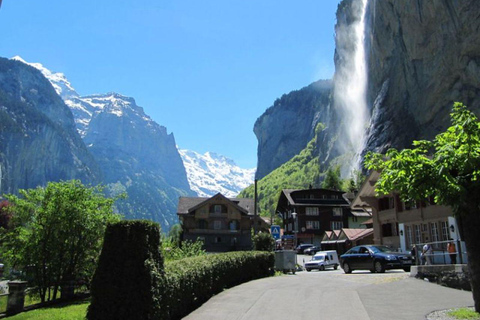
322	260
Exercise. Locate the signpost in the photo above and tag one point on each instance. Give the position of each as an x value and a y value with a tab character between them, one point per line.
275	231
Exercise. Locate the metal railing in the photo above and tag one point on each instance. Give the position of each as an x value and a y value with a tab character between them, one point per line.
439	253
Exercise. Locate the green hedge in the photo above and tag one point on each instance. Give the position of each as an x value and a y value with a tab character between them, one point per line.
127	282
192	281
131	282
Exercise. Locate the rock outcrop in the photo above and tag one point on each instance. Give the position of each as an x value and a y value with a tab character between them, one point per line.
38	138
286	127
422	57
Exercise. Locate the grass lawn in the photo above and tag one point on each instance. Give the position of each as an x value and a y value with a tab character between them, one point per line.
464	313
74	311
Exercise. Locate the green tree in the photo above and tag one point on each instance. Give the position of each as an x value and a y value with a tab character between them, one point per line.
55	234
447	168
333	179
263	241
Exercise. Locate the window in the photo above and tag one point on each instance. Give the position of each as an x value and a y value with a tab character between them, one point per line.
311	211
434	230
389	229
418	234
337	212
313	224
217	224
218	208
218	239
202	224
445	230
409	236
337	225
233	225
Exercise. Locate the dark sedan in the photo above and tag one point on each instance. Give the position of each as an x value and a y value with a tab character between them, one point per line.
301	247
374	258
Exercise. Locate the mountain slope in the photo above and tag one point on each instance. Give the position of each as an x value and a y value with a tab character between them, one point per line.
38	138
210	173
135	154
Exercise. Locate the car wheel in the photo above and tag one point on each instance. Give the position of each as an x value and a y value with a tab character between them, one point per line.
308	270
372	270
335	267
379	267
407	269
346	268
322	268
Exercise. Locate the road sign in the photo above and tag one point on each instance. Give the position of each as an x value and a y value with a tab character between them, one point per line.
275	231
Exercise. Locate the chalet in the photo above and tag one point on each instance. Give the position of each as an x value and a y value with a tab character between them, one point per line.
315	211
402	224
223	224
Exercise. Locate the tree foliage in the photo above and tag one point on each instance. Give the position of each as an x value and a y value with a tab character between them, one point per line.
263	241
56	234
333	180
447	168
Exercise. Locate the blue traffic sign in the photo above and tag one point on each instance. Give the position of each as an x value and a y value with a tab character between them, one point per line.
275	231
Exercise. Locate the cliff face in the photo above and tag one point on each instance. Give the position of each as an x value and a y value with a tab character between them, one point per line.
287	126
137	157
38	137
422	57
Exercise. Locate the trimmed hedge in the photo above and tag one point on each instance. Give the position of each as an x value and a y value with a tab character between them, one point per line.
131	282
127	282
192	281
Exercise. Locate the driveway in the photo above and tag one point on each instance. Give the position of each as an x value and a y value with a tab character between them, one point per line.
332	295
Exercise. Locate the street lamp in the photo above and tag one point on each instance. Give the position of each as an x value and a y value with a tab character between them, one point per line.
294	215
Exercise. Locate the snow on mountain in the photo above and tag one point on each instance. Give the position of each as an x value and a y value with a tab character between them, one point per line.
211	173
58	80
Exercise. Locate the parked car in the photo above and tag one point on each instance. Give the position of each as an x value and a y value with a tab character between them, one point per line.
374	258
312	250
301	247
322	260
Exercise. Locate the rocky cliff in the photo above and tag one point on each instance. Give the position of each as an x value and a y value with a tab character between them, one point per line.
134	154
38	138
137	156
286	127
422	56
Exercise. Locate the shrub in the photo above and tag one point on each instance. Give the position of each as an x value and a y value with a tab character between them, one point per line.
263	241
192	281
127	282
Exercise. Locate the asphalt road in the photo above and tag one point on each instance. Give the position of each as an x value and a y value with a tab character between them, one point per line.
332	294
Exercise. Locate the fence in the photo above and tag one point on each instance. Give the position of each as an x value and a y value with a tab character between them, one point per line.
439	254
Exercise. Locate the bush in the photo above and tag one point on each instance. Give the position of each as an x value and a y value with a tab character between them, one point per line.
192	281
127	282
263	241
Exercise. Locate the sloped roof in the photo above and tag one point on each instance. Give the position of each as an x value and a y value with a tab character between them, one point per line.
356	234
289	194
187	204
357	213
369	221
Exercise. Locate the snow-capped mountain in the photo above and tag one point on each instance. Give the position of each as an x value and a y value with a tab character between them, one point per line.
211	173
58	80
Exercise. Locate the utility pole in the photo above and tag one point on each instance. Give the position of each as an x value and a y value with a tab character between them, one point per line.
255	210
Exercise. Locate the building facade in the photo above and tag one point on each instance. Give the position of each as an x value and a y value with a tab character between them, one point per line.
402	224
223	224
316	211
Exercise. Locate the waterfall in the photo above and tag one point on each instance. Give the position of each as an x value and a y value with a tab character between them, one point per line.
351	82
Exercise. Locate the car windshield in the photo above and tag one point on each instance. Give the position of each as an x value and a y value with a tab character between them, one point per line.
377	249
318	258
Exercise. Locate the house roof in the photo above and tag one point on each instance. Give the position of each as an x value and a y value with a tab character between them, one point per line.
356	234
362	213
292	200
367	190
188	204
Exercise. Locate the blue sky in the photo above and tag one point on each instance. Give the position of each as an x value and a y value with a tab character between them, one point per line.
204	69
